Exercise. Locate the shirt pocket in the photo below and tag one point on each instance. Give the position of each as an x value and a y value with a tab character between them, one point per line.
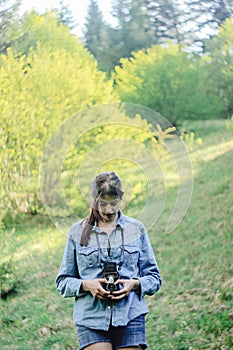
131	254
87	257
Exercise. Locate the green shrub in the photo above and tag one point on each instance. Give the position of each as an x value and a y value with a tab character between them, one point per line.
8	277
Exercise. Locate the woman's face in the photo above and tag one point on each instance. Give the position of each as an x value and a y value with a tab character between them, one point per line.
108	207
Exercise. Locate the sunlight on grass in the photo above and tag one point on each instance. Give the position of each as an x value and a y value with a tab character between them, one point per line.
40	242
212	152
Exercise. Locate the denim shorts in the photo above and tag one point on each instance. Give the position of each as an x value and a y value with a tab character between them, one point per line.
133	334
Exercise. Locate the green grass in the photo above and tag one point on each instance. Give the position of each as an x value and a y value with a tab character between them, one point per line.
193	309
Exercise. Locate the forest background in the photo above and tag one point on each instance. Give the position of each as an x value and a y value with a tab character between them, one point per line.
175	58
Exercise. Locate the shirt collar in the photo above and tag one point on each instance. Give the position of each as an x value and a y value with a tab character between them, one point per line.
121	219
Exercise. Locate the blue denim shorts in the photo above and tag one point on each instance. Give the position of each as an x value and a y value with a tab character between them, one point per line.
133	334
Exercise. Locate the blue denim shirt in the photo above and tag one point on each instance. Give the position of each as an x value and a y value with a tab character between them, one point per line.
85	262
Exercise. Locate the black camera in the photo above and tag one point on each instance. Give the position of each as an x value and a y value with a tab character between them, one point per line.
111	275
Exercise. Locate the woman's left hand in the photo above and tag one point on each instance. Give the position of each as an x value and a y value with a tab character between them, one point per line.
128	286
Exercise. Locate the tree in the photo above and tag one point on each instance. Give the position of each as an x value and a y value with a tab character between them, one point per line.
166	18
170	82
8	22
38	92
65	15
46	95
220	57
134	30
212	12
110	49
94	30
101	39
205	16
46	30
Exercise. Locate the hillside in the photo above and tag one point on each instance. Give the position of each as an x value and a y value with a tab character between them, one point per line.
193	309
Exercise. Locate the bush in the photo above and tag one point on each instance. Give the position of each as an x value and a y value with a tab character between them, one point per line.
171	82
8	278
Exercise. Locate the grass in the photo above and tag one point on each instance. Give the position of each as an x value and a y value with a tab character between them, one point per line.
193	309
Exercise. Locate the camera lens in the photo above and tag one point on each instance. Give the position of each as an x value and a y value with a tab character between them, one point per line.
110	279
111	287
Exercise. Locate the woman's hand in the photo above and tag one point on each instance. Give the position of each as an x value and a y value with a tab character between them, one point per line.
95	288
128	286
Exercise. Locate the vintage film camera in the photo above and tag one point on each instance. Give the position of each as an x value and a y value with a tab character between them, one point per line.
111	275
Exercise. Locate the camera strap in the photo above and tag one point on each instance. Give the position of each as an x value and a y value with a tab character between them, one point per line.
122	248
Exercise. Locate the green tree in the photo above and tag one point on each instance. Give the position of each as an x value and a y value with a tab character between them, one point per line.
220	49
133	25
38	92
95	32
109	44
65	16
210	12
205	16
101	39
166	19
8	23
169	81
46	30
111	49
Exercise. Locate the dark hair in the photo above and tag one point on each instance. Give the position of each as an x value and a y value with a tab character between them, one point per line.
107	183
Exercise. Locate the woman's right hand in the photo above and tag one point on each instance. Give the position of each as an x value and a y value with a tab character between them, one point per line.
95	288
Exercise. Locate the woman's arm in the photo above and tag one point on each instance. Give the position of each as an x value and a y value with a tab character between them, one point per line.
68	281
150	279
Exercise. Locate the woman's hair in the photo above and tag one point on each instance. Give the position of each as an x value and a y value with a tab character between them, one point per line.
107	183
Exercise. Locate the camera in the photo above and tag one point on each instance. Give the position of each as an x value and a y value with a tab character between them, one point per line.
111	275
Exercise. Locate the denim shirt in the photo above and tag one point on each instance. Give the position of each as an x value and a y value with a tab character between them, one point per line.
86	262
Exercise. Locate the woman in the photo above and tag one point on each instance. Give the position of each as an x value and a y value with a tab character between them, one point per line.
109	266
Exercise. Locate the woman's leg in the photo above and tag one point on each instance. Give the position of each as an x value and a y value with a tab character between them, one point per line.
131	348
99	346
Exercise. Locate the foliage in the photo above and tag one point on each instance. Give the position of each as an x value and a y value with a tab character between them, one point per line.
118	143
90	154
38	93
167	20
57	77
9	22
97	38
205	16
64	15
46	30
108	44
133	25
94	27
140	24
8	280
42	89
220	49
168	80
143	23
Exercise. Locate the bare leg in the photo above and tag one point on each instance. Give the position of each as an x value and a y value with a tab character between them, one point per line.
132	348
99	346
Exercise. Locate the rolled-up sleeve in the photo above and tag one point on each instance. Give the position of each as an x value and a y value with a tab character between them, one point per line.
68	281
150	278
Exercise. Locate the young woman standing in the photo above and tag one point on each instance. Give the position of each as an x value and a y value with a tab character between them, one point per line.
108	267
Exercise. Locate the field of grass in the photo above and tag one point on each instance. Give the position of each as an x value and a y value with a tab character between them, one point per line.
194	308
